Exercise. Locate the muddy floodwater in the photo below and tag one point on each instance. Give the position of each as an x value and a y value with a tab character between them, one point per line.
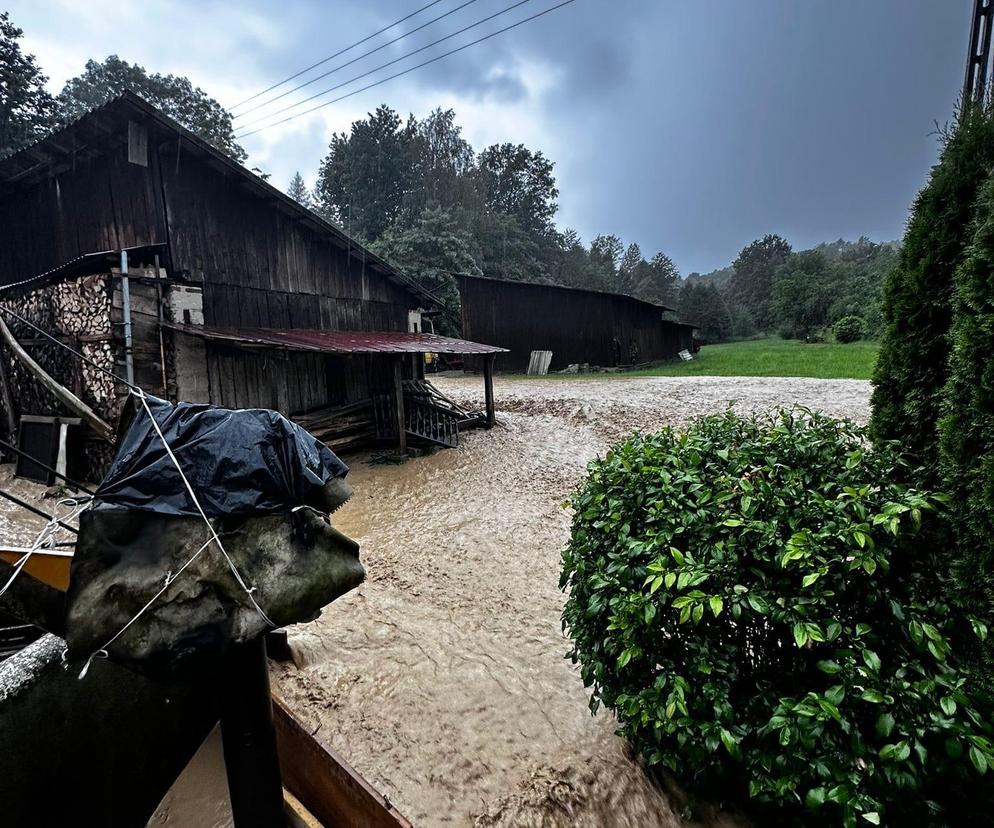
19	527
443	679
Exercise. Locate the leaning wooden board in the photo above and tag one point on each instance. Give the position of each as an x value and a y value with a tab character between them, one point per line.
327	785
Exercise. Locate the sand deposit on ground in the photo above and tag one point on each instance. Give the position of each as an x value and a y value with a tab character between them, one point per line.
442	679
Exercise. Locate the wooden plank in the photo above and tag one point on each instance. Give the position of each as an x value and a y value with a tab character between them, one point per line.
327	785
7	399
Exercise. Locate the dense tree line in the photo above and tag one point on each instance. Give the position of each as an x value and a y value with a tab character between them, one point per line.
413	186
804	294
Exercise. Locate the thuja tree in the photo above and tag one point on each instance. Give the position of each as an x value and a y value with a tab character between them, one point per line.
758	604
967	427
912	366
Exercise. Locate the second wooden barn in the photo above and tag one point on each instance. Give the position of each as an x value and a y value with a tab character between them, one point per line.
136	243
578	326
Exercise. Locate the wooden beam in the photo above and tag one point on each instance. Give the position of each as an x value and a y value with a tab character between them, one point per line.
398	391
59	391
324	781
488	389
7	399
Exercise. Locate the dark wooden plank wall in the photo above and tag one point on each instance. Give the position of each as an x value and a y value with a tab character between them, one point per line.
577	326
261	267
103	204
242	247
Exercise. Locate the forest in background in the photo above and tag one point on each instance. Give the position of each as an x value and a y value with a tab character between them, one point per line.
421	196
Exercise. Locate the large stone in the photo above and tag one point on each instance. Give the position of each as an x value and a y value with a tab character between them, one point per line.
296	563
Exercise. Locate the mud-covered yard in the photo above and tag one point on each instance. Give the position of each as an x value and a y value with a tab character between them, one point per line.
442	679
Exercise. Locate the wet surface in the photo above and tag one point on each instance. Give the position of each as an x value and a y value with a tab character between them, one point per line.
442	679
18	526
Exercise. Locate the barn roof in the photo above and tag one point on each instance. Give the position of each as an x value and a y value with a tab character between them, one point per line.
104	130
339	342
567	287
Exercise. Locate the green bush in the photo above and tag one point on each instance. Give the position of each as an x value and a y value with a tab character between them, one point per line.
849	329
914	349
754	601
967	428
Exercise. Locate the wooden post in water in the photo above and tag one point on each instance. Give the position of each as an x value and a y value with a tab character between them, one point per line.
398	391
7	399
249	738
488	389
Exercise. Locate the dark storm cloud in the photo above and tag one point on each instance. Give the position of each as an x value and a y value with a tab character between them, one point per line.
696	127
690	127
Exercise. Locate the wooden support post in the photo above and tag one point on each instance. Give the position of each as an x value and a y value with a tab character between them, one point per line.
398	391
249	738
488	389
7	399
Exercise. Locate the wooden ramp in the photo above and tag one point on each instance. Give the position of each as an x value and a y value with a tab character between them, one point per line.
429	415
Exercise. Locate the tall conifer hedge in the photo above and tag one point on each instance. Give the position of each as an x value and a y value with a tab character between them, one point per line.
967	427
911	370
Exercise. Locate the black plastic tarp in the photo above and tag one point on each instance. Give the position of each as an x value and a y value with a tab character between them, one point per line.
239	462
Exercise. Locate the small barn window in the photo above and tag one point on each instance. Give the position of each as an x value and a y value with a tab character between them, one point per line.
137	144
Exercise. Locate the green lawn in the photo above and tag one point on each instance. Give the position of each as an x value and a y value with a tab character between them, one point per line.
774	357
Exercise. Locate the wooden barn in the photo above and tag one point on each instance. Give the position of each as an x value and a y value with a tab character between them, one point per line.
578	326
160	259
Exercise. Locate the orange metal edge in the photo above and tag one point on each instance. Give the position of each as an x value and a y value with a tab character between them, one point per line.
51	568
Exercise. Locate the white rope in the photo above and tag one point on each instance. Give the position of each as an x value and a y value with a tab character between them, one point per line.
231	564
46	537
103	652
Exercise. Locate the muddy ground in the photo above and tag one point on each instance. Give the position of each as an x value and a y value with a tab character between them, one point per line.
442	679
19	527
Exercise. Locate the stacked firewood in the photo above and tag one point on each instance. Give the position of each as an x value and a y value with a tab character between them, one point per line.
77	312
341	428
82	306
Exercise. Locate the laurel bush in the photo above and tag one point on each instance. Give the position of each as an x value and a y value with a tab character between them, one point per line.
760	604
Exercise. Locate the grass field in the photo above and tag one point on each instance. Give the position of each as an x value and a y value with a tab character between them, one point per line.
774	357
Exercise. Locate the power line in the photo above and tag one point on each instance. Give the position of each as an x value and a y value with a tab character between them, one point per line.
347	63
398	60
339	52
411	69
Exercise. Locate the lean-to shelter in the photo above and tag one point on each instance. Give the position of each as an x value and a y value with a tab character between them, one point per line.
162	260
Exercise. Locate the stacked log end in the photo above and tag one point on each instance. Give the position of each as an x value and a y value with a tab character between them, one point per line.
341	428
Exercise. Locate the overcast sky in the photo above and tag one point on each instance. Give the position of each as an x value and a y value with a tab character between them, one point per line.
690	127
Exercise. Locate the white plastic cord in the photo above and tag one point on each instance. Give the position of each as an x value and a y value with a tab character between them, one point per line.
46	537
102	652
231	564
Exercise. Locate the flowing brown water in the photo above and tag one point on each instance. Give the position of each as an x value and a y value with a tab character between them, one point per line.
442	679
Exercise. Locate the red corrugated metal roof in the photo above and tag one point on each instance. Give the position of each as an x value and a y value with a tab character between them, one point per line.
341	342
